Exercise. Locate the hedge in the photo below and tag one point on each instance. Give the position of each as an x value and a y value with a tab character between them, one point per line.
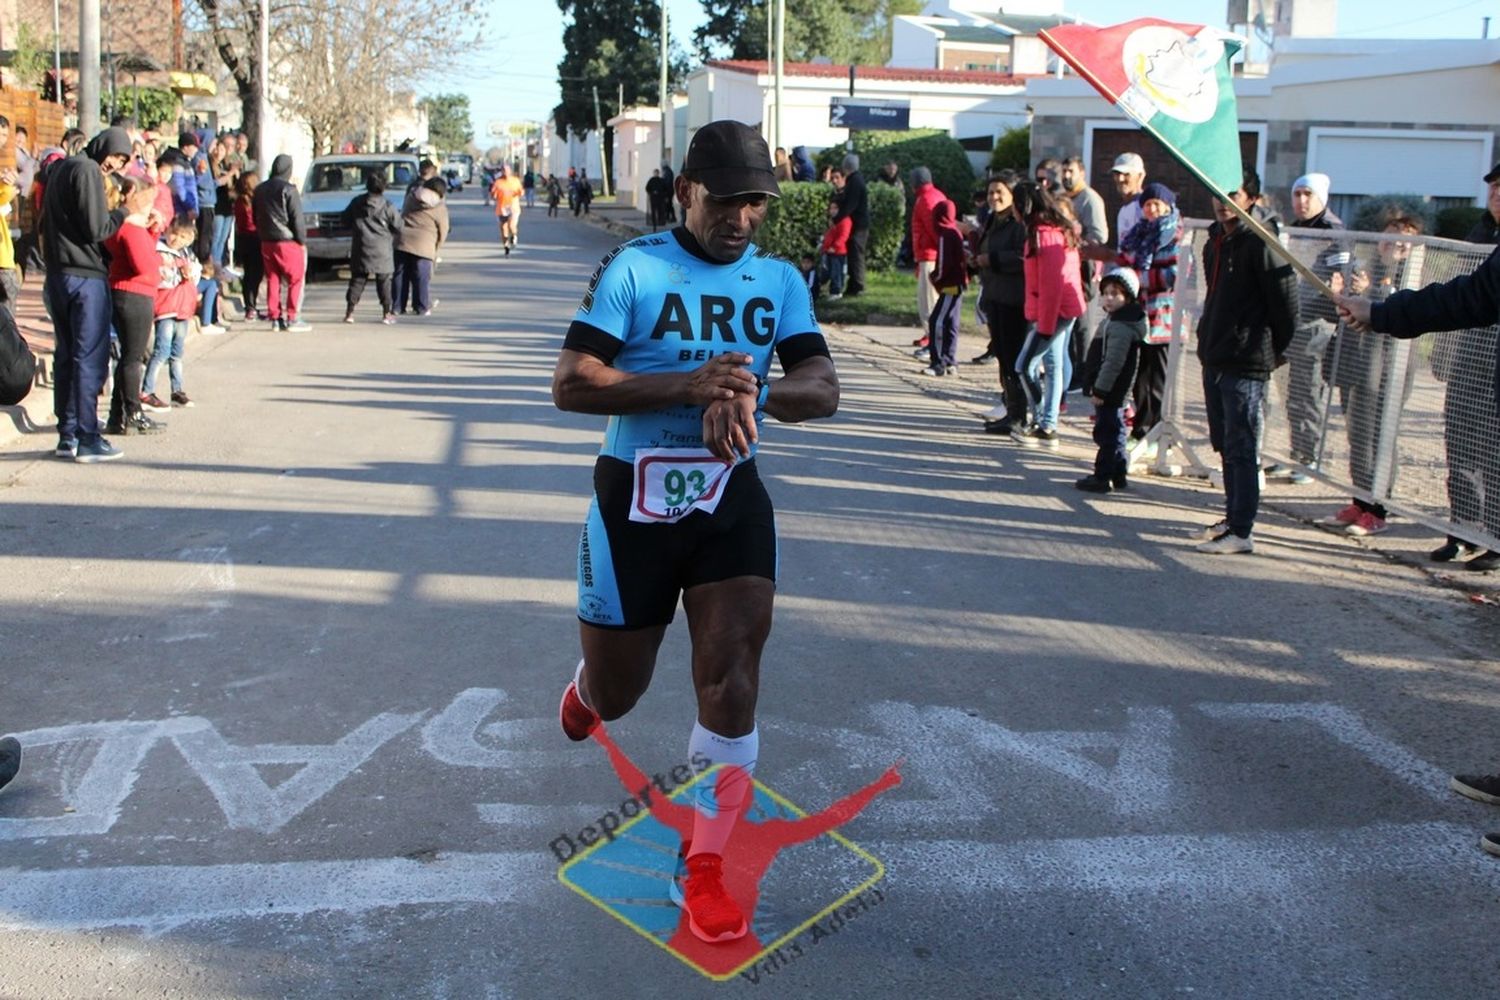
798	219
1369	217
931	148
1457	222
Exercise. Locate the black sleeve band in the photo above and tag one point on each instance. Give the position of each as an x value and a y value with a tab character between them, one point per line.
798	348
588	339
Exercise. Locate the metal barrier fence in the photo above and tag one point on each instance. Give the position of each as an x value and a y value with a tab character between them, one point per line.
1409	424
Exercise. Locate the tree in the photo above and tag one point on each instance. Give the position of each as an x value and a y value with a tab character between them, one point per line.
336	63
853	31
448	126
32	57
607	43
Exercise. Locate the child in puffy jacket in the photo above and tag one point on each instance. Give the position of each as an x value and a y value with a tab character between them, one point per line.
176	302
835	249
1108	374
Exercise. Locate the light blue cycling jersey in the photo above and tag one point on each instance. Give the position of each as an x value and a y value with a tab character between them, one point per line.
655	304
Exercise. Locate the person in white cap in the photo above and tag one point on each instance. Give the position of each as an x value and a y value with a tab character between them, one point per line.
1307	388
1129	174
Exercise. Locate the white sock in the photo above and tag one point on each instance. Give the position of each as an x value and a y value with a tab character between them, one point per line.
578	683
718	807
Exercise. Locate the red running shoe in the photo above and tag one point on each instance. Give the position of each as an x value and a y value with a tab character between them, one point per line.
712	915
578	720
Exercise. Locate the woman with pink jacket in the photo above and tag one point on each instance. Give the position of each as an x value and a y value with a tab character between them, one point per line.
1054	302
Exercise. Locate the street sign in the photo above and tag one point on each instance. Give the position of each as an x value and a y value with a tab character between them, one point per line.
869	113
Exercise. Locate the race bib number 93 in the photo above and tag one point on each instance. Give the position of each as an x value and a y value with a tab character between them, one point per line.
671	483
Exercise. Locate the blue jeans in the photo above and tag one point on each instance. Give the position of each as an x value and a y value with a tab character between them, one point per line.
410	282
171	335
1236	408
223	227
81	310
836	263
1043	367
208	298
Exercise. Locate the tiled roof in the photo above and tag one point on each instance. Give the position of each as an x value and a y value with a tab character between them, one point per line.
972	77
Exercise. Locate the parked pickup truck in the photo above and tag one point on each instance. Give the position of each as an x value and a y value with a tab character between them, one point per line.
334	181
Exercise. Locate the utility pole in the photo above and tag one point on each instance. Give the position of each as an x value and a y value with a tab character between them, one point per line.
88	67
780	68
664	100
603	163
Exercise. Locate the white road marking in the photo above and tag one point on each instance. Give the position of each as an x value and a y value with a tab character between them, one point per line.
158	898
248	802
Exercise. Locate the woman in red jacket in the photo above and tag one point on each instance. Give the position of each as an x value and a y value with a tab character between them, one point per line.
1054	301
132	283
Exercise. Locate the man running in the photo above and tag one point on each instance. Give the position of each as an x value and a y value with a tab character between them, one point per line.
673	340
507	194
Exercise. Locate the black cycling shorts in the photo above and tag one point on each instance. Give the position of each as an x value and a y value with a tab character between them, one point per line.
631	574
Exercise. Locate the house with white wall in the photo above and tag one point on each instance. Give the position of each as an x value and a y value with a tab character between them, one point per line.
977	36
972	106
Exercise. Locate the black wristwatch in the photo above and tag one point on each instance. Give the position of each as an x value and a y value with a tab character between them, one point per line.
762	392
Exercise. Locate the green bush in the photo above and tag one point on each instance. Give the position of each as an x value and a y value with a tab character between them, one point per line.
1372	212
798	219
887	226
928	147
1456	223
1012	151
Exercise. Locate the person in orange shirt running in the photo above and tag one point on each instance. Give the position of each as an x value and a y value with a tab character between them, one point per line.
507	194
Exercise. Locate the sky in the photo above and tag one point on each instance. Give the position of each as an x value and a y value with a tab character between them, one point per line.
514	78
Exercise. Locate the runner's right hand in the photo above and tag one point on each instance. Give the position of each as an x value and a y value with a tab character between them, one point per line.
721	377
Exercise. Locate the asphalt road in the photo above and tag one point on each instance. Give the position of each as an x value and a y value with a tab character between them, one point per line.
288	677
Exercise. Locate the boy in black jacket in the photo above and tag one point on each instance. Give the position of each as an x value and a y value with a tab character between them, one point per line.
1109	373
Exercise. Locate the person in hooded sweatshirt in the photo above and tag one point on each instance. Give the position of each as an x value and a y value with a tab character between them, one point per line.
424	227
76	220
375	224
949	277
283	244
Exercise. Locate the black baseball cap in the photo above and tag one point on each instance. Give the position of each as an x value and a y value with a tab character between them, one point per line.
731	159
1493	175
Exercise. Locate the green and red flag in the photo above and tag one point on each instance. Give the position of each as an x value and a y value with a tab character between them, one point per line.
1173	80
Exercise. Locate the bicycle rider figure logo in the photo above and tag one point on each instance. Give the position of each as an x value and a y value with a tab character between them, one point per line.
630	873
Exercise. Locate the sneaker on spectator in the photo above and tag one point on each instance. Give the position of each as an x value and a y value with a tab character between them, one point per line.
1038	437
1366	524
137	424
1484	562
299	326
66	447
995	412
1277	470
1001	426
1093	484
1299	478
920	352
951	370
1214	530
348	317
1453	548
155	404
934	370
181	399
230	272
919	342
100	450
1342	519
212	330
250	316
1226	544
389	319
1479	787
983	359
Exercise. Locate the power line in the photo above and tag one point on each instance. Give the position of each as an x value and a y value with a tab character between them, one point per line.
1417	20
